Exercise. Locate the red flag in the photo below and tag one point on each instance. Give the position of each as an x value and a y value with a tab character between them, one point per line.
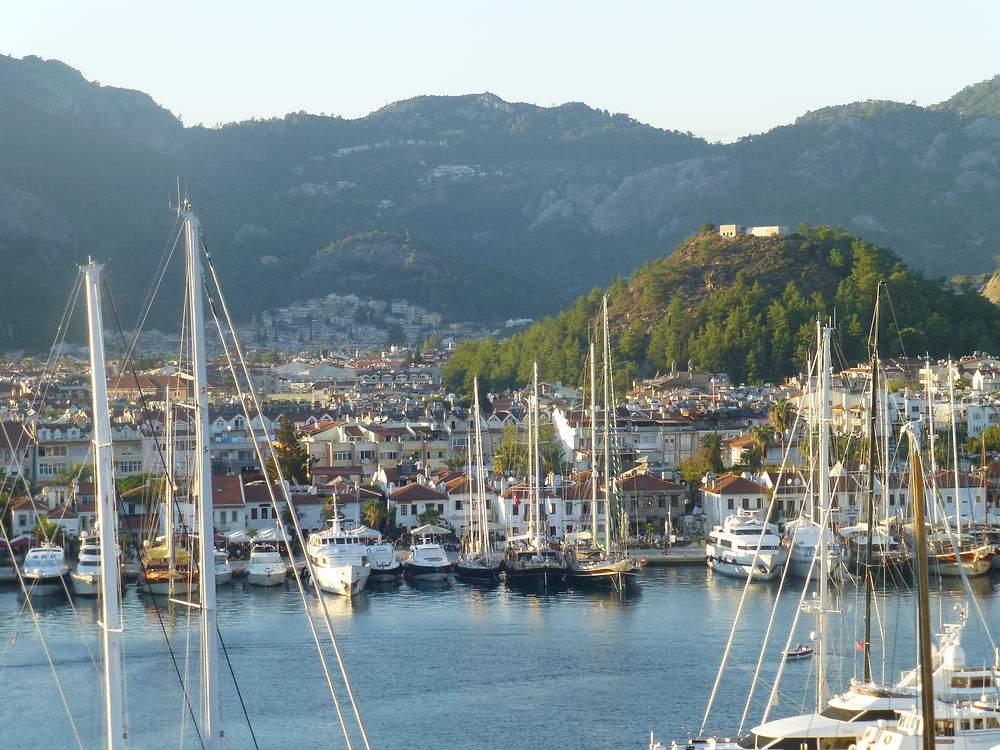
861	645
517	501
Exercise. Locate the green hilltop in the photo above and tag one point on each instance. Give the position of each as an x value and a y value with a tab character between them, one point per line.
747	306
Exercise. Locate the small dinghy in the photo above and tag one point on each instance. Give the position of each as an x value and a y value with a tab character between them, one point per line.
798	651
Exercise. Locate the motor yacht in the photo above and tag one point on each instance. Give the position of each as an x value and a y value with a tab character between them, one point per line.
45	569
745	546
428	561
339	559
265	568
86	577
223	568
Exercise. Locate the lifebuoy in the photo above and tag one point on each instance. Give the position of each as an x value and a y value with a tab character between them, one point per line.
887	739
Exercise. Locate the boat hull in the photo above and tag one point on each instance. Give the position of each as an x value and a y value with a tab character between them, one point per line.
540	577
223	577
345	580
45	584
757	572
427	572
385	575
488	574
86	584
269	577
163	587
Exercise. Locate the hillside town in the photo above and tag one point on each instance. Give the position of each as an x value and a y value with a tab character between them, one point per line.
382	428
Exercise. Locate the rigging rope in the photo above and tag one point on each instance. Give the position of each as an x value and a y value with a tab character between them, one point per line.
287	497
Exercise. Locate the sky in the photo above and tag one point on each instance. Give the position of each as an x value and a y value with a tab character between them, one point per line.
717	68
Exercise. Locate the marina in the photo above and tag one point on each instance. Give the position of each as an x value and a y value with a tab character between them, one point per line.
446	664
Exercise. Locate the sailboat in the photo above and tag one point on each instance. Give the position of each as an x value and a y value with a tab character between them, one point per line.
478	561
533	560
811	540
592	561
168	569
971	725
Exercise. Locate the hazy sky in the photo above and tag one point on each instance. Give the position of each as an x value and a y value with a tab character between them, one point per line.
718	69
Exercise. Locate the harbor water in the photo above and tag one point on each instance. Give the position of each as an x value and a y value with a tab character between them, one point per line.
453	666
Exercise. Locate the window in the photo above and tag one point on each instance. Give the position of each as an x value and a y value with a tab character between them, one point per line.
730	504
552	509
489	504
661	502
440	507
458	505
131	509
402	510
515	509
263	511
413	509
232	516
22	519
253	513
569	509
341	456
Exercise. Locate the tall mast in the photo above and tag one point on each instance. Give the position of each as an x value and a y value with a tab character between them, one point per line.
607	436
168	475
107	518
925	664
593	446
954	454
536	460
824	508
479	503
872	416
931	433
212	717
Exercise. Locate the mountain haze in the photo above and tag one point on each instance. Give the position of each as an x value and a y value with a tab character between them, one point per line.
505	209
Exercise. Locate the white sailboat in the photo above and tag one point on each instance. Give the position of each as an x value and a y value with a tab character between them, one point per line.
478	561
592	561
813	548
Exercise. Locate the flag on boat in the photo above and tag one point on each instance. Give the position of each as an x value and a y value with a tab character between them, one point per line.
861	645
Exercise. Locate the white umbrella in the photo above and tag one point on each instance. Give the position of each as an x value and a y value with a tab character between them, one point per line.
238	537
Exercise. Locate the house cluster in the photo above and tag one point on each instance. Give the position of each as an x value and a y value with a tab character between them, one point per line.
380	429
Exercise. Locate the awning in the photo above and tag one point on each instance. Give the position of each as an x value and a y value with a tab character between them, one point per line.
428	529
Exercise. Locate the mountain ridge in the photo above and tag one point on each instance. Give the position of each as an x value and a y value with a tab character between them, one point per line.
552	200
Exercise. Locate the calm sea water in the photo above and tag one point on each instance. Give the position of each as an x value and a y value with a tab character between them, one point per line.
453	667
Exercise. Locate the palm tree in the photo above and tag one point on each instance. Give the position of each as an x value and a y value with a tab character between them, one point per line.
431	516
761	435
456	461
782	415
373	513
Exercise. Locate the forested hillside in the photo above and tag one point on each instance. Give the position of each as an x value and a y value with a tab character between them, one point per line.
746	306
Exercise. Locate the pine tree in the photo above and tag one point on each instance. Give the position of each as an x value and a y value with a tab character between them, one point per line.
292	455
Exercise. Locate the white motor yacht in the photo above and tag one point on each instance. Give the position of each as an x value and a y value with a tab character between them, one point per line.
223	569
428	561
340	559
266	568
745	546
805	538
45	569
382	561
87	575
